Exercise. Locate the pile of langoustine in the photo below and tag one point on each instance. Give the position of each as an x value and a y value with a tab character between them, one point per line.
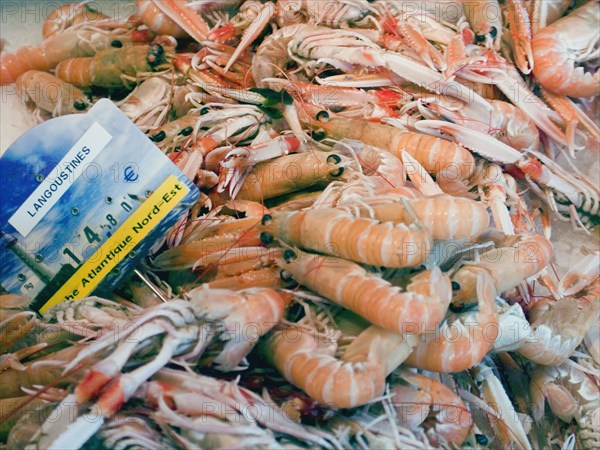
369	264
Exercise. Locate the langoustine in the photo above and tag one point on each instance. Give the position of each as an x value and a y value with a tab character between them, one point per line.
233	140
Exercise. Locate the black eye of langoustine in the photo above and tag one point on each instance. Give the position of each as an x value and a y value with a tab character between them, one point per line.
319	135
289	255
266	219
493	32
116	44
322	116
266	238
334	159
186	131
455	286
480	37
158	137
79	106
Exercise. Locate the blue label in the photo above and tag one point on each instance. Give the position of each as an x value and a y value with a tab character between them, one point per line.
67	186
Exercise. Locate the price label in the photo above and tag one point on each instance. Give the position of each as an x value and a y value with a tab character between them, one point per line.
84	198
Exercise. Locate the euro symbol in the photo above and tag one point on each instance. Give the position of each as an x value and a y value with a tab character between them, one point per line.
129	175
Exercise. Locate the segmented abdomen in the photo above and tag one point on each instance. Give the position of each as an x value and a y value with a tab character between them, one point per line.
437	155
323	377
337	233
450	217
77	71
389	307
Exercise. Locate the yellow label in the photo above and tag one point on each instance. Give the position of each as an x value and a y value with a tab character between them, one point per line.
91	273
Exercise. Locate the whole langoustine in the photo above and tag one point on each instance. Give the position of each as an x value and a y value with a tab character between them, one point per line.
290	173
110	68
306	363
338	233
437	156
65	45
354	378
422	305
